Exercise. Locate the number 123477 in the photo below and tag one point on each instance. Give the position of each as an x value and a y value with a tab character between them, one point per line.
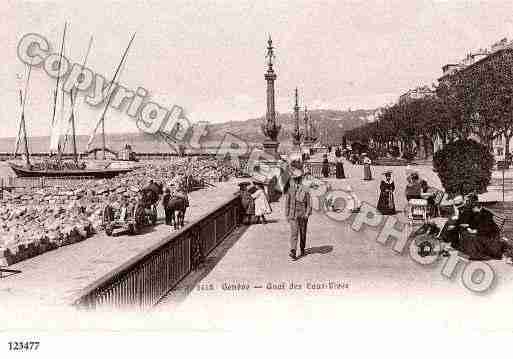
23	346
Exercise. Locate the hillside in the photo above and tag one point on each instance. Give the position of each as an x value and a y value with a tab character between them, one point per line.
336	123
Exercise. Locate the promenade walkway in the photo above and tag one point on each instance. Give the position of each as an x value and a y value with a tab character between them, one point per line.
346	276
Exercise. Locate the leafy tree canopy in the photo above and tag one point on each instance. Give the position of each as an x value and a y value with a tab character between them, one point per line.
464	166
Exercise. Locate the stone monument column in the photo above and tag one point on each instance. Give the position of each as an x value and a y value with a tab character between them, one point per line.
310	133
296	135
271	166
270	128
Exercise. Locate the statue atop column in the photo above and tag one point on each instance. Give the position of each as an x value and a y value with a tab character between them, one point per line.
270	128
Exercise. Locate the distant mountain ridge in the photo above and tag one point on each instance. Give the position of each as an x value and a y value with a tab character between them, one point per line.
335	122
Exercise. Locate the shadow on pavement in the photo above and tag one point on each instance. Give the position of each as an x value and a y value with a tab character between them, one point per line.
319	250
179	293
268	221
10	272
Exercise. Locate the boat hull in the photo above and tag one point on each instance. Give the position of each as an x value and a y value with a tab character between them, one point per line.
22	171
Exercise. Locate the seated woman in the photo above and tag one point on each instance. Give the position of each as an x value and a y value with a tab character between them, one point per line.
481	239
474	233
457	222
414	187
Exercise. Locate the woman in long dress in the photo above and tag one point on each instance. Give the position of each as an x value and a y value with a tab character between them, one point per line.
386	203
248	204
339	169
325	167
262	206
367	174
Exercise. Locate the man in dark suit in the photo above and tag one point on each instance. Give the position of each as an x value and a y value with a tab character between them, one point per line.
298	207
165	200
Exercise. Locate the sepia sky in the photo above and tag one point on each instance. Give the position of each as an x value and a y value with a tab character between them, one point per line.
209	56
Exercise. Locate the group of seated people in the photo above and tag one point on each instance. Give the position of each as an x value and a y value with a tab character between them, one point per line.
473	231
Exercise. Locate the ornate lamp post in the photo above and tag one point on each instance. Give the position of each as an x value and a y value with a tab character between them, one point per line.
310	133
270	128
296	135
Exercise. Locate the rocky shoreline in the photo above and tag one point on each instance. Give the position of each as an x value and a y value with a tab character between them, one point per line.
35	221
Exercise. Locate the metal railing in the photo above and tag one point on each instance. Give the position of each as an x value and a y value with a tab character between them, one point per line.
144	280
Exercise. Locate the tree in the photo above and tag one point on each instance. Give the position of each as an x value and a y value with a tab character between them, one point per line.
464	166
455	96
496	90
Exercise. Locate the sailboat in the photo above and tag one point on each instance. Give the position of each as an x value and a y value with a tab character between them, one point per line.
56	166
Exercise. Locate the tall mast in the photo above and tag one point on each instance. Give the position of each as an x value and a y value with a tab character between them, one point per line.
72	119
25	140
23	127
73	99
18	134
58	77
60	145
102	118
103	137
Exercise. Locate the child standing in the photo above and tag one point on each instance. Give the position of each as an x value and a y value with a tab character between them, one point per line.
262	206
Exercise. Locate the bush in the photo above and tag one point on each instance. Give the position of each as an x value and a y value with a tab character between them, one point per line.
375	153
409	155
358	147
394	151
464	166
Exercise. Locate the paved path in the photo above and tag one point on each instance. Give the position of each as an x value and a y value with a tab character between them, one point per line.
347	276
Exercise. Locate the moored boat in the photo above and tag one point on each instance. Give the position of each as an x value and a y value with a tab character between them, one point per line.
24	171
55	166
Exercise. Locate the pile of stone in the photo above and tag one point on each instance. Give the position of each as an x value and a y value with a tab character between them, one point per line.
35	221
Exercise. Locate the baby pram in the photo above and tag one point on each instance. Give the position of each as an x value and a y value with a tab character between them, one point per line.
428	237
